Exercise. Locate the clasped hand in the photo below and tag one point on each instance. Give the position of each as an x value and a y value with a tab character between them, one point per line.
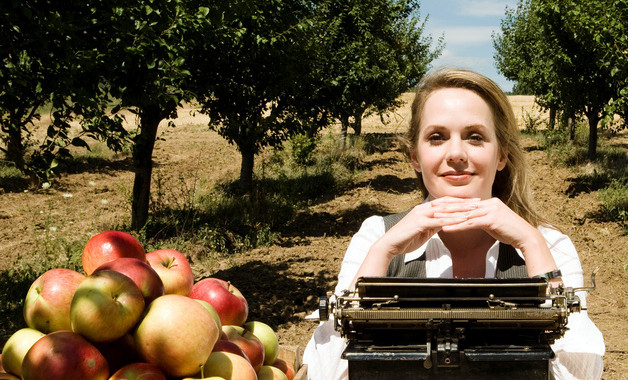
450	214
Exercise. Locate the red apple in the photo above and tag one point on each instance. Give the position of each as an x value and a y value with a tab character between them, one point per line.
229	366
108	246
64	355
16	348
177	335
267	336
142	274
138	371
228	346
225	298
173	269
106	305
249	343
285	367
47	303
268	372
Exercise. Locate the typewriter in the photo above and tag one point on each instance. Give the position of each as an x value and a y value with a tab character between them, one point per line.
409	328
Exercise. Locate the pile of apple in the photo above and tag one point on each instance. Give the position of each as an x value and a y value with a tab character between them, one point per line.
138	315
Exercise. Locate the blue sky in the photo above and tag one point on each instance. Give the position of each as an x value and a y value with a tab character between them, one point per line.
467	26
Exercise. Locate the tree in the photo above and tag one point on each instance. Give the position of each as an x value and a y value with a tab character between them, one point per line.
141	52
40	65
369	53
248	86
546	46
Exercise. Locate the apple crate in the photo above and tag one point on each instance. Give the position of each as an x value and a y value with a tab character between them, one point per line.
294	356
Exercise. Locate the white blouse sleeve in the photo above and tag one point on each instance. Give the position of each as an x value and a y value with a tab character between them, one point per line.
323	351
372	229
579	352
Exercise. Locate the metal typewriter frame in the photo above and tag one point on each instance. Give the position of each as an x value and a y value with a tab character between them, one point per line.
451	328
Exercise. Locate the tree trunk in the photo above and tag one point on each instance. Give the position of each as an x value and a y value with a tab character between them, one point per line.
15	148
142	158
246	169
357	122
344	123
594	118
571	124
552	118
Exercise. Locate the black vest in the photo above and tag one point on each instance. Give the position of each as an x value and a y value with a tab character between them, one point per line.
509	263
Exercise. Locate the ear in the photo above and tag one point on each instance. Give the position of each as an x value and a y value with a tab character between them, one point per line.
503	159
414	159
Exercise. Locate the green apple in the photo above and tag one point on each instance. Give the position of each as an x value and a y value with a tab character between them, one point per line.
229	366
267	336
16	348
212	311
106	305
268	372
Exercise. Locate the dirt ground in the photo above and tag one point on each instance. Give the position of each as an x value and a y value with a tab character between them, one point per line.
282	282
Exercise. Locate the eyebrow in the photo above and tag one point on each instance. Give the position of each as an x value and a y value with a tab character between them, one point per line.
470	126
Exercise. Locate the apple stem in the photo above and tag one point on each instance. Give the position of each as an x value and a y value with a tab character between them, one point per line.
169	263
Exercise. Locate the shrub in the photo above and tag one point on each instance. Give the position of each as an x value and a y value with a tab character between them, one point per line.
615	200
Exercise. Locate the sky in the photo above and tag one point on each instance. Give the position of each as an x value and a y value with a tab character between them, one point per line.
467	26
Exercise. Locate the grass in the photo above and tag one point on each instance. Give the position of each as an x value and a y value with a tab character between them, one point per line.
11	179
288	179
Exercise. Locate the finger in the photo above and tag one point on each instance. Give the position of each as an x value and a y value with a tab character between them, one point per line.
452	200
454	208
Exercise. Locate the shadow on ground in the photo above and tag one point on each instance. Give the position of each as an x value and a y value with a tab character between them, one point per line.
275	295
14	289
343	223
391	184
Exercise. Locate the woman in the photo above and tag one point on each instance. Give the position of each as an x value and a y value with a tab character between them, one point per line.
463	142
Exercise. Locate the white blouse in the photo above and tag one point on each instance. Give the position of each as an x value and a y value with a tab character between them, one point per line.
578	353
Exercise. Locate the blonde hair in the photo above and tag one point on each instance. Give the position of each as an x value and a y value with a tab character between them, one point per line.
511	183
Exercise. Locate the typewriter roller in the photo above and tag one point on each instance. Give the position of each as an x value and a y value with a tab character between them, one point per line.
409	328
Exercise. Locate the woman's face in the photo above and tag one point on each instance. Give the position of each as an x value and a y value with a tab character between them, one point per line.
457	152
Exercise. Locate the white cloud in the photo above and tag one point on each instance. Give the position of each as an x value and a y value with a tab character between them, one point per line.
449	59
468	34
484	8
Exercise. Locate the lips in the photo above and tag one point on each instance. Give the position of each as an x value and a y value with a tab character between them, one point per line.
455	176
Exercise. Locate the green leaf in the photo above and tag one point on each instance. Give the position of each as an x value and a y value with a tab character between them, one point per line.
202	12
79	142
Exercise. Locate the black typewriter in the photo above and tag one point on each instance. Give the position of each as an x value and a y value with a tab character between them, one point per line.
409	328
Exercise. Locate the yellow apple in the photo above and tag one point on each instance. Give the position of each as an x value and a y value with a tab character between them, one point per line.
268	372
229	366
16	348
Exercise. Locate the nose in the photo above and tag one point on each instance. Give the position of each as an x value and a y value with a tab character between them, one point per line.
456	154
